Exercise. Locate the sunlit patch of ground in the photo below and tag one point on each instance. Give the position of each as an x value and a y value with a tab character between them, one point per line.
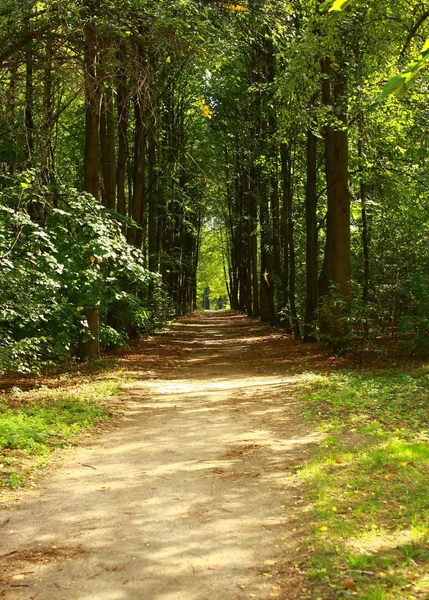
369	483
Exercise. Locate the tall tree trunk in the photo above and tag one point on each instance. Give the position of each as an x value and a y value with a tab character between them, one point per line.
46	169
275	212
93	93
11	113
287	193
266	299
139	169
289	235
152	198
363	197
107	138
90	348
334	282
29	107
312	241
122	95
253	224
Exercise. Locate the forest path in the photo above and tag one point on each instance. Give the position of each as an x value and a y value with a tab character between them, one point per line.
192	497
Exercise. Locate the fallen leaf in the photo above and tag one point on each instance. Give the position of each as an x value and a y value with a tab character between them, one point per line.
216	567
324	528
348	584
185	517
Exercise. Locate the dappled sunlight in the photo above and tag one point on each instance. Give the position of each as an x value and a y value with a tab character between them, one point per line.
377	540
180	386
192	496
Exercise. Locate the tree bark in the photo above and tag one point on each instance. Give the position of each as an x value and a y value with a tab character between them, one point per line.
107	127
93	95
29	107
311	237
334	282
122	99
90	349
287	192
139	169
46	170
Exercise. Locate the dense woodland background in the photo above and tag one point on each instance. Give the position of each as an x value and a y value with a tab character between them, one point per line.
151	149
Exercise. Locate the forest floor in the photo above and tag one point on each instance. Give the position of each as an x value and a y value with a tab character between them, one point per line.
191	496
206	487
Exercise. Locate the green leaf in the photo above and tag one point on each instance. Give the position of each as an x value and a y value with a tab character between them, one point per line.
392	86
335	5
397	85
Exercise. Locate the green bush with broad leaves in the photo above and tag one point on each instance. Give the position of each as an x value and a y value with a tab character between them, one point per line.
61	252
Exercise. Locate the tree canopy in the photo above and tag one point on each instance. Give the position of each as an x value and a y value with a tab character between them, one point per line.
273	151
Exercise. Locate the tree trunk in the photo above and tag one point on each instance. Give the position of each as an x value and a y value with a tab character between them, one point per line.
253	224
29	107
312	241
46	167
122	95
139	169
334	282
291	278
152	199
90	348
287	192
107	128
365	233
93	95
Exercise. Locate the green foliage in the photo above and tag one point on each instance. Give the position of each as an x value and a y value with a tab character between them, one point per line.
398	84
211	267
333	5
60	254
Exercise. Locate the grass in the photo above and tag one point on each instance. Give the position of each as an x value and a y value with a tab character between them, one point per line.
369	484
35	423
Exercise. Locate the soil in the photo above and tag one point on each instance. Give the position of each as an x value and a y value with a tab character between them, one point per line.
193	496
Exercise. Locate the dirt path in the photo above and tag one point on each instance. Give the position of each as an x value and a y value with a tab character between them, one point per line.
191	497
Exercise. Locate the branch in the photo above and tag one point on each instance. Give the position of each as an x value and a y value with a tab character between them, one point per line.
413	32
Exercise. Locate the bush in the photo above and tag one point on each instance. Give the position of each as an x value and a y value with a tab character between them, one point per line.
61	253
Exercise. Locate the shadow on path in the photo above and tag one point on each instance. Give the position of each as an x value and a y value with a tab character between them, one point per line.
192	497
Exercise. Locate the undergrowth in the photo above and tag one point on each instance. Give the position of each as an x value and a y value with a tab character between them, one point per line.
34	423
369	484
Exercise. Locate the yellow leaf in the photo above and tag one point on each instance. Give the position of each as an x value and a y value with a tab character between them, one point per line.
79	308
324	528
334	509
237	8
92	259
205	108
185	516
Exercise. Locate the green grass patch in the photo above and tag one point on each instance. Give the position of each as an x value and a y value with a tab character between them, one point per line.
33	424
369	484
